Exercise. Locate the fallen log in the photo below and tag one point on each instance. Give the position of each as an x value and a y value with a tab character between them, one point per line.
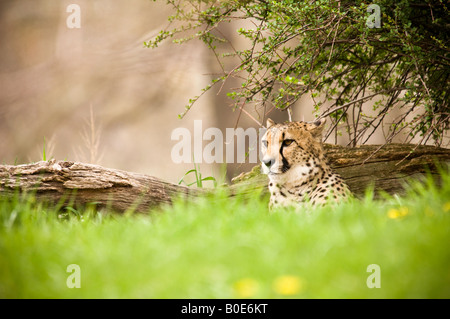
81	183
65	181
385	167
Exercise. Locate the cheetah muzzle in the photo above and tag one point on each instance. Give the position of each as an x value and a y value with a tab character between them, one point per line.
294	160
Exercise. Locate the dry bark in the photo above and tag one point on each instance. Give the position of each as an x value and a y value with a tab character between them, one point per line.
80	183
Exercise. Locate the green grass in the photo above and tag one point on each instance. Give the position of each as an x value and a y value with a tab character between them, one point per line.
218	247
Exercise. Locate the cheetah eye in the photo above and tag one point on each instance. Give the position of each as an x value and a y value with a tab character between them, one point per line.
287	142
264	142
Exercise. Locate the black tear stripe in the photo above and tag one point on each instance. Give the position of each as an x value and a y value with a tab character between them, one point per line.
285	167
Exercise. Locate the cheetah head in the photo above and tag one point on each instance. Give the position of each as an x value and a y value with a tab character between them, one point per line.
291	147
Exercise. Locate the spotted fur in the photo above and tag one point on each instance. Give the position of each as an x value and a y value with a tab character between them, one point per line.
294	160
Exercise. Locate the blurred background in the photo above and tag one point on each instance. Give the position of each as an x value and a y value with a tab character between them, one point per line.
95	94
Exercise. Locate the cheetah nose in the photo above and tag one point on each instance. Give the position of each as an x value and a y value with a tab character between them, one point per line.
268	162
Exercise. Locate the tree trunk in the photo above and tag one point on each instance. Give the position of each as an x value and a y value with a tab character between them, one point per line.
79	183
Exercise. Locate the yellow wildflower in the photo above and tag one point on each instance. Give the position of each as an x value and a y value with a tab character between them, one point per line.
446	207
246	288
288	285
398	213
429	212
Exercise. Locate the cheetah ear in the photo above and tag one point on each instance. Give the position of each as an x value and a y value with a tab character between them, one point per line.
269	123
316	128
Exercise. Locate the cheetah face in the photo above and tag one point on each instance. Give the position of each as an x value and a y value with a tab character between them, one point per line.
290	147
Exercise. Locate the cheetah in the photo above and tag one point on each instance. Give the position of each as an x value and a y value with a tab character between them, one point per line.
294	160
